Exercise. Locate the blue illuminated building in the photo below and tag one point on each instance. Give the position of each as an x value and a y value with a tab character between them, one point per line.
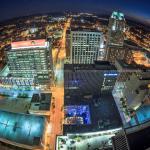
142	116
110	74
22	129
78	111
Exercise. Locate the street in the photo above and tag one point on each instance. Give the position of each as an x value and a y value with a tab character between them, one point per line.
56	111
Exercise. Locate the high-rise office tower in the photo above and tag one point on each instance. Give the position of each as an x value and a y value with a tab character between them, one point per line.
116	27
86	46
31	59
115	37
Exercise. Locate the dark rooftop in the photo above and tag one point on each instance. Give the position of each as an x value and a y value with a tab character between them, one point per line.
103	113
98	65
88	78
43	100
80	29
83	85
140	139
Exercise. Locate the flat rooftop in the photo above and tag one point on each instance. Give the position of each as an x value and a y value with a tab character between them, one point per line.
87	78
142	116
98	65
21	128
80	29
16	105
140	139
29	44
41	101
103	114
91	108
77	114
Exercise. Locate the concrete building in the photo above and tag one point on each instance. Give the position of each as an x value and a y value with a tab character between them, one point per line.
125	70
86	46
115	52
40	104
136	88
130	89
31	59
134	83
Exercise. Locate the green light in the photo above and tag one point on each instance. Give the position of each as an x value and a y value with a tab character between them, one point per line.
117	15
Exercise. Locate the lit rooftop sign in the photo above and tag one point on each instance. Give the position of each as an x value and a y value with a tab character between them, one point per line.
110	74
29	43
117	15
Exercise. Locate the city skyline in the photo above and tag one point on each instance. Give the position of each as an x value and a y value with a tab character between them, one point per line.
74	80
136	9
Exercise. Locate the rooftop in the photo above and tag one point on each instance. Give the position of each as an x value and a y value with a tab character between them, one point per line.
16	105
142	116
117	15
139	139
94	107
41	101
98	65
80	29
102	114
29	44
87	78
21	128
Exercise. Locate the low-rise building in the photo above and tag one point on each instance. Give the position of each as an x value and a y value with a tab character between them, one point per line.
21	131
40	104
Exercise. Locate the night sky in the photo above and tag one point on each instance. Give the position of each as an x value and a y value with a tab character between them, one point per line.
15	8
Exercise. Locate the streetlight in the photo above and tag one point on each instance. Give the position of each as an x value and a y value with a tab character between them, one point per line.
49	128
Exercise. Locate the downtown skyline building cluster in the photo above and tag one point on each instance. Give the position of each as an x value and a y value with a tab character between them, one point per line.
73	83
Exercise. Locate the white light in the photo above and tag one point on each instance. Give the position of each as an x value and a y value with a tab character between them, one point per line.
26	126
113	27
36	127
101	45
49	128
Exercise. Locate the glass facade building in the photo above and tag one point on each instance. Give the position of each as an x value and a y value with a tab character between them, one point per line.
116	27
31	61
115	38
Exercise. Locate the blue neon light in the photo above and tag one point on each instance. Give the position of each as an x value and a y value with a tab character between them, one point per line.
110	74
79	111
